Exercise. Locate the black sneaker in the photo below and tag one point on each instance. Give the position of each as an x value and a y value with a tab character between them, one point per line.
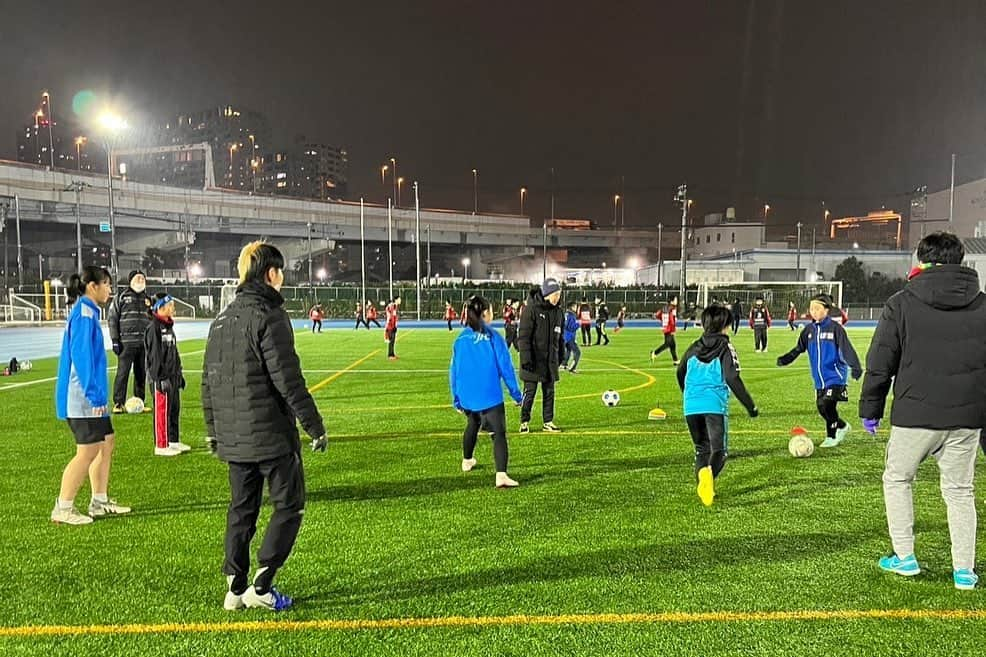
118	409
525	427
550	427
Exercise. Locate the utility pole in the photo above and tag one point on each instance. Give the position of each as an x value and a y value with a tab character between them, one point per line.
951	193
310	256
390	246
4	207
78	227
660	253
797	259
682	197
362	255
544	252
20	258
417	251
428	252
552	194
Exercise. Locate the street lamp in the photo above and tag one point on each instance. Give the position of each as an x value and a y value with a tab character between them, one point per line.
112	125
475	191
393	164
523	194
616	202
322	274
78	151
400	182
465	264
232	148
766	210
383	174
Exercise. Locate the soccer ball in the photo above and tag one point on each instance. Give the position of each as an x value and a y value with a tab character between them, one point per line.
611	398
800	445
26	366
134	405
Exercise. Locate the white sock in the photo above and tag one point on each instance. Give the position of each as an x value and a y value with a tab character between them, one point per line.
65	505
102	498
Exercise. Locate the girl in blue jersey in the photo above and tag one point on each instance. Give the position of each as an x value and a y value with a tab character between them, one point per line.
480	361
81	397
706	374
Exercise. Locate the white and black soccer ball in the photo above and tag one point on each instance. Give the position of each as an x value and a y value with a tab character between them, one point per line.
611	398
134	405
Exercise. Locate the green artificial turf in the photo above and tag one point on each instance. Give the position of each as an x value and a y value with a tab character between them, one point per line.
606	521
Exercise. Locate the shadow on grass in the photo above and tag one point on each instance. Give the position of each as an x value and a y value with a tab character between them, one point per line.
643	560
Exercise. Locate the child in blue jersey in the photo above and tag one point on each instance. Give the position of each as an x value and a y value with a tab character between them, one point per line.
832	358
571	328
706	374
480	361
81	398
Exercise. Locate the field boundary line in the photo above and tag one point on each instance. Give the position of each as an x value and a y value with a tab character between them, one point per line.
443	622
329	379
12	386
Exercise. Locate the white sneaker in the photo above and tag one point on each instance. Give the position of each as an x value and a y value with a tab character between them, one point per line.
840	434
108	508
181	447
166	451
504	481
232	602
70	516
273	600
468	464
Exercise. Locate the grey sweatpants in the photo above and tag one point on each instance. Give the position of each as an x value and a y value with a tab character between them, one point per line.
955	452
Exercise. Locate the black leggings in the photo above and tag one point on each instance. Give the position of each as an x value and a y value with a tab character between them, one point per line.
450	325
391	339
360	320
827	402
669	343
601	332
709	433
493	420
586	334
760	337
316	323
374	320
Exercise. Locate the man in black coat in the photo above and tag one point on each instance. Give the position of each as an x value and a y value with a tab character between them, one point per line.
253	393
539	341
930	345
129	317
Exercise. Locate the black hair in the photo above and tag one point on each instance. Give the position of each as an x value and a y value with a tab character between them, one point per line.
256	259
715	319
474	310
160	295
941	248
77	283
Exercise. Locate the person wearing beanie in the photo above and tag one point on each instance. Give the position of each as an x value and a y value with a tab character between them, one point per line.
165	374
760	322
539	341
129	316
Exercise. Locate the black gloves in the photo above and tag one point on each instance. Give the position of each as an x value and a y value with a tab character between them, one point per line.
211	443
319	444
754	412
117	348
164	386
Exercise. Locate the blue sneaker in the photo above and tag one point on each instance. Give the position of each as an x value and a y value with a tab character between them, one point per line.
907	567
273	600
965	579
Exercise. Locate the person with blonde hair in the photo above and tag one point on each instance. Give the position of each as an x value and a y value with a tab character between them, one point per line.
253	395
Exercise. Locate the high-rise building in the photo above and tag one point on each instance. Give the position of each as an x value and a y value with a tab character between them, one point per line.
306	171
237	137
47	142
275	172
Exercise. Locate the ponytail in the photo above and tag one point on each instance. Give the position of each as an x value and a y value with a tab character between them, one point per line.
474	310
77	283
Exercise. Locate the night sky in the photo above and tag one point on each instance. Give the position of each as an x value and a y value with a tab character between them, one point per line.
753	101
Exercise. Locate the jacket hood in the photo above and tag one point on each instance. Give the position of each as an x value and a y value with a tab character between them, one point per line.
946	287
712	346
258	289
538	299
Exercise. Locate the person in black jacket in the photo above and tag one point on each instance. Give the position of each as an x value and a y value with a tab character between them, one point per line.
602	316
737	310
539	341
253	393
165	375
930	345
129	317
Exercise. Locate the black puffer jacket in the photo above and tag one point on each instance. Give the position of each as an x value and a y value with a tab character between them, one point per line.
931	345
539	339
129	317
252	386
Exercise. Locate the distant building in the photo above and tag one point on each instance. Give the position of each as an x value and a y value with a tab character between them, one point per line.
308	170
930	212
718	236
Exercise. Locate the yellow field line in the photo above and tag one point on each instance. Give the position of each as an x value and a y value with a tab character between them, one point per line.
671	617
329	379
651	380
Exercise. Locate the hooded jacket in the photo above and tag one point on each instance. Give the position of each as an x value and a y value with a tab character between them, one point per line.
930	344
708	371
831	356
161	350
571	326
539	339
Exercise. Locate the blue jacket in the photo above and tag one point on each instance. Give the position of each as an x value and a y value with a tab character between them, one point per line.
708	371
83	383
830	354
571	326
479	362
